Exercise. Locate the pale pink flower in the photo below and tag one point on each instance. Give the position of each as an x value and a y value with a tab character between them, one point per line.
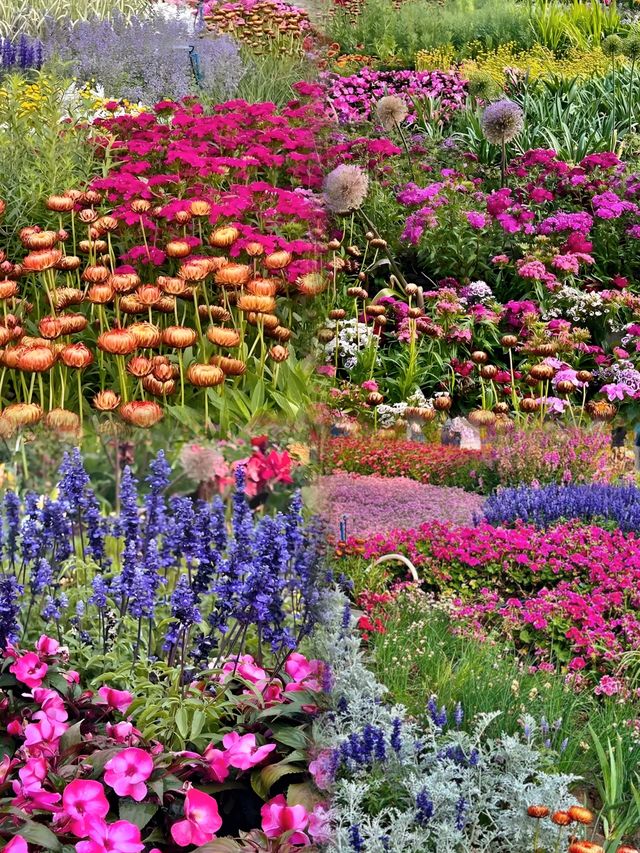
201	822
123	732
128	771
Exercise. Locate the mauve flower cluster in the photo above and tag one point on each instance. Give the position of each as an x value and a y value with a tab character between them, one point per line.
428	463
354	98
549	504
569	593
20	53
368	505
171	561
74	760
145	59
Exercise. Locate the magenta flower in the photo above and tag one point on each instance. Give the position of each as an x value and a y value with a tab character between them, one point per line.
119	700
16	845
278	818
29	669
47	645
83	801
128	771
218	762
118	837
243	752
201	822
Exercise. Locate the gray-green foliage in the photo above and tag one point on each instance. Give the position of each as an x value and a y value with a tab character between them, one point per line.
28	16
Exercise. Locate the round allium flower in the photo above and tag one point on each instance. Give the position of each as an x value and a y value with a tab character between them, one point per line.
391	111
345	188
612	46
502	121
631	47
482	85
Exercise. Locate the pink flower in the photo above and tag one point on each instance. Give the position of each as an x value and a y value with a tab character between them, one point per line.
83	801
119	700
118	837
320	825
302	670
278	818
29	669
242	751
369	385
16	845
123	732
245	667
202	820
47	645
128	771
218	762
72	676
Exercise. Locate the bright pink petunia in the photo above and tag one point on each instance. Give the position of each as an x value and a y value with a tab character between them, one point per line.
278	818
84	801
128	771
118	837
242	751
201	822
29	669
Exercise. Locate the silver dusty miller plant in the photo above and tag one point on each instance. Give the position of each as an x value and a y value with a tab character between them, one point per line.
403	787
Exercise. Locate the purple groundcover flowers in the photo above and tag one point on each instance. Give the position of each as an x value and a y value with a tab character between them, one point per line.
544	506
369	505
194	582
354	98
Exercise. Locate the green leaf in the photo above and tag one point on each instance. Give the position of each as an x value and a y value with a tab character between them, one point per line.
41	836
138	813
220	845
303	794
293	737
182	722
71	737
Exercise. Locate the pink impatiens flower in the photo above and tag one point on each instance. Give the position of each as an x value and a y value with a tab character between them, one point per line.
242	751
201	822
118	837
119	700
83	801
218	762
16	845
128	771
278	818
29	669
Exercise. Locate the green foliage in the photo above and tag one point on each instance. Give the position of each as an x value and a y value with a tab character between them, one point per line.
560	26
28	16
271	77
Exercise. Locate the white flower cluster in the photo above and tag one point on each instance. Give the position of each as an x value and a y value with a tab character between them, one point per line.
577	305
437	789
353	338
477	291
388	415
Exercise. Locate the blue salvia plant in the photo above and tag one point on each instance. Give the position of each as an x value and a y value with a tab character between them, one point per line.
167	577
617	505
20	53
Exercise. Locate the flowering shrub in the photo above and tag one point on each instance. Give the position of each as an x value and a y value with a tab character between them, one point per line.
569	592
427	463
545	505
361	506
77	771
354	98
207	223
163	578
145	59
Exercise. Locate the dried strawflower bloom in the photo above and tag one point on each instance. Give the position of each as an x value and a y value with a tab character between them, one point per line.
502	121
391	111
345	188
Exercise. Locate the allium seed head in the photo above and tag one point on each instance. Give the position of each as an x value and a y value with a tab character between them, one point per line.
502	121
345	188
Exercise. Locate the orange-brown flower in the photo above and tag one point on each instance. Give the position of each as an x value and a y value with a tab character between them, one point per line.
87	216
50	327
442	403
174	286
101	294
73	323
267	321
117	342
8	288
254	249
166	304
214	312
229	366
263	286
96	274
62	421
39	240
124	282
106	401
179	337
140	205
76	355
585	847
91	197
280	333
146	334
130	304
205	375
149	294
223	337
158	387
41	260
177	249
581	815
139	365
68	263
6	335
200	207
182	217
561	818
277	260
279	353
23	414
259	304
106	224
312	284
223	237
60	203
233	275
163	369
36	359
141	413
194	271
